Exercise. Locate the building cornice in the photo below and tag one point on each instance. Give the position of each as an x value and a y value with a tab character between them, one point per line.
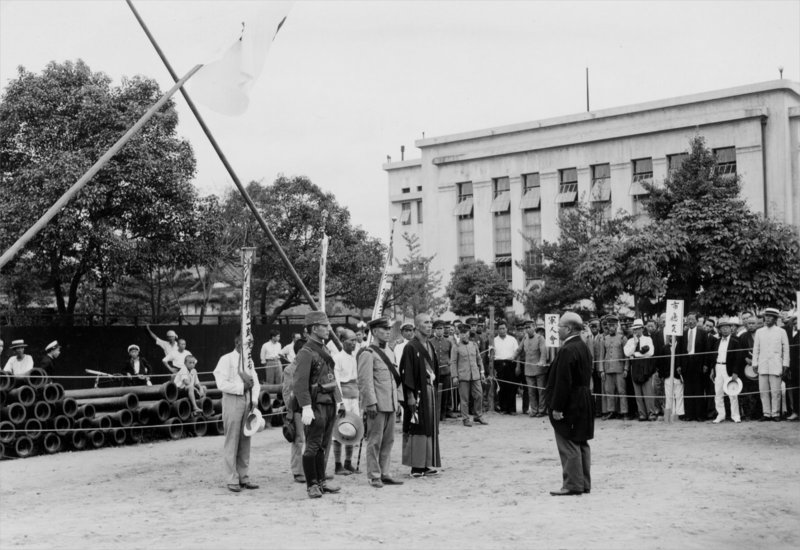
750	89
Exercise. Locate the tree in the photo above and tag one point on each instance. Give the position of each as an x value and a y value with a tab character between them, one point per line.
417	288
583	264
477	279
298	212
708	248
53	127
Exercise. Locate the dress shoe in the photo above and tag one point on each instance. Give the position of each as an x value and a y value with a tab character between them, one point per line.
376	482
480	420
792	416
314	492
390	481
451	415
719	419
737	421
587	491
776	419
340	471
564	493
248	485
764	419
642	418
431	472
234	488
349	467
325	488
329	477
300	478
468	423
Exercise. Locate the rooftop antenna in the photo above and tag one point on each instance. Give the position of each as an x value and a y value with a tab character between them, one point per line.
780	70
587	89
402	152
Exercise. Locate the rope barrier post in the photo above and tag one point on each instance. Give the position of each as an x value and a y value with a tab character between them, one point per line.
669	414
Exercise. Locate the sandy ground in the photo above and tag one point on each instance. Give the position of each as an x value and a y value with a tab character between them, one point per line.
685	485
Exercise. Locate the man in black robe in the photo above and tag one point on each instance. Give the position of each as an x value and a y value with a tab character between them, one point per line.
571	406
418	368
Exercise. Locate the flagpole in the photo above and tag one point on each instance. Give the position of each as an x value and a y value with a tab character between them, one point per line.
81	183
249	201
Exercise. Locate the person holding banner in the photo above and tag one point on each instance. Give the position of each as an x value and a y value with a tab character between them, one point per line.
240	389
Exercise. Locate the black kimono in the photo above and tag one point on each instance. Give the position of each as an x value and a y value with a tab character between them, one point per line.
418	366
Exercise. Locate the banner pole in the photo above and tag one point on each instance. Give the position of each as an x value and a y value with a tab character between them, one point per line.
249	201
102	161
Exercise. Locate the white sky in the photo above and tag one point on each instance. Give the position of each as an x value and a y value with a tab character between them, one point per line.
347	83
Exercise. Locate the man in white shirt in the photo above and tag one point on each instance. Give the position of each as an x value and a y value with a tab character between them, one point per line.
168	346
770	362
345	369
287	351
270	360
504	350
19	364
723	371
639	349
240	390
176	359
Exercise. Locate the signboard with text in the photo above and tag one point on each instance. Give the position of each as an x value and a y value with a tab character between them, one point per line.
674	326
551	330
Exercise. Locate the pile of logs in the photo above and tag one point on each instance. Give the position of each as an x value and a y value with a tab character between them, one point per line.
37	416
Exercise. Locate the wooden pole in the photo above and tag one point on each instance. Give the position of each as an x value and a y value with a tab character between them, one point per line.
249	201
78	185
668	412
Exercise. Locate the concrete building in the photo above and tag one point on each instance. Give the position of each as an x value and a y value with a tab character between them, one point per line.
473	195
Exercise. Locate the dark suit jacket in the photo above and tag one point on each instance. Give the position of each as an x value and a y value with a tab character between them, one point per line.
567	391
415	378
731	357
693	364
794	350
144	367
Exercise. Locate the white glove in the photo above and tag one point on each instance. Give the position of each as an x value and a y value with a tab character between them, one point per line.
308	415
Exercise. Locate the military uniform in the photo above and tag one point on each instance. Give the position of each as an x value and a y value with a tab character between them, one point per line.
315	387
615	367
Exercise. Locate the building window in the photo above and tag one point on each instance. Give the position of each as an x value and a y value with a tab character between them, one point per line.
502	196
674	162
601	183
419	211
726	162
405	190
534	266
466	239
419	188
531	191
464	205
503	266
640	209
466	227
567	187
532	229
405	213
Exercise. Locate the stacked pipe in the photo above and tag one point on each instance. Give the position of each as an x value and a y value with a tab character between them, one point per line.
37	416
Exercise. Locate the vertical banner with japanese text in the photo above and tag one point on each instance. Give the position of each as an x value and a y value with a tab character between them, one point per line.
674	326
246	329
551	337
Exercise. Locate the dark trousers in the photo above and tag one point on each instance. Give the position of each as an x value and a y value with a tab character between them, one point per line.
507	394
318	437
525	393
694	393
576	463
445	398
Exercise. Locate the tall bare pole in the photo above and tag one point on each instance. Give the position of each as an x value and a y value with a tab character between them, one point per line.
261	222
587	89
102	161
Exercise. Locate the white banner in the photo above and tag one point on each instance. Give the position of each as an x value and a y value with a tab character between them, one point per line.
246	330
323	268
674	326
552	340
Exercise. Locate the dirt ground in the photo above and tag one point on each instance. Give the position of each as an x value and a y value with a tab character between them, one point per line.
686	485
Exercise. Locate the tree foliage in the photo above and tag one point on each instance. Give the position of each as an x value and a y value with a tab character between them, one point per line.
477	279
298	212
53	127
583	264
417	289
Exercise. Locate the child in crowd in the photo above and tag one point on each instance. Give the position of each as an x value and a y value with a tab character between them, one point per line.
186	377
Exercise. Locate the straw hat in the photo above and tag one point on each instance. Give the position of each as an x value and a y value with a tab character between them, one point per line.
254	423
18	344
750	373
349	429
733	387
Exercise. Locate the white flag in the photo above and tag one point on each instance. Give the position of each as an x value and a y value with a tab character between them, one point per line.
223	85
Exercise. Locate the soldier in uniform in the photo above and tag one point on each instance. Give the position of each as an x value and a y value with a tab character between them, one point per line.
613	369
378	379
532	353
317	395
442	347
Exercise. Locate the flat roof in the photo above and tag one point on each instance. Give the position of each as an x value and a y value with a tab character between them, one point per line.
749	89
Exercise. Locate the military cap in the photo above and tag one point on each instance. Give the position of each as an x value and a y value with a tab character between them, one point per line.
438	323
463	328
316	318
613	318
405	326
380	322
